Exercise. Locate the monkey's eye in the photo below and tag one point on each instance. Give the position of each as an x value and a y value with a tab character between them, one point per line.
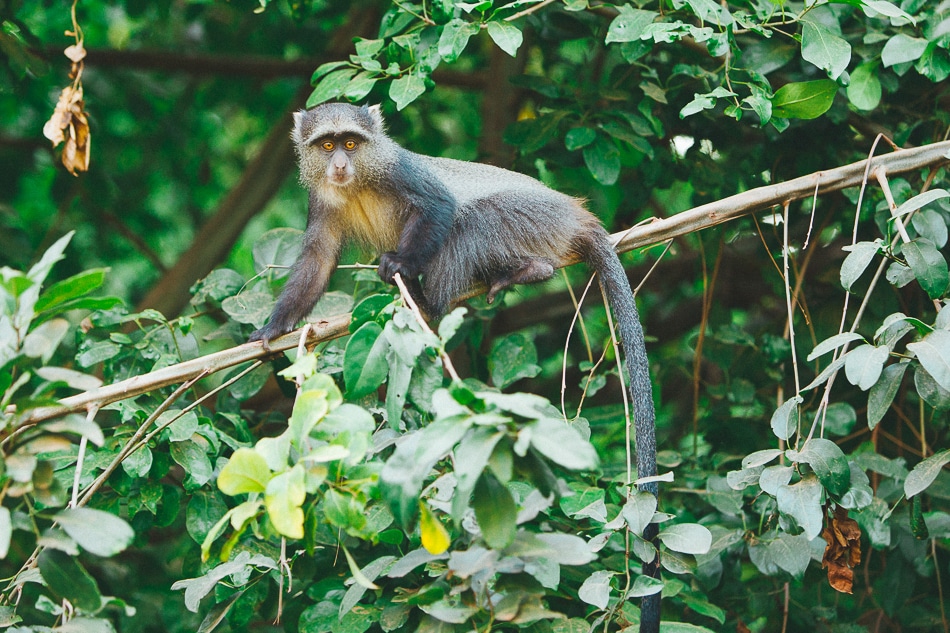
328	145
350	144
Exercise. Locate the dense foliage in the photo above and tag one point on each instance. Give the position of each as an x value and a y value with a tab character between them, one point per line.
801	356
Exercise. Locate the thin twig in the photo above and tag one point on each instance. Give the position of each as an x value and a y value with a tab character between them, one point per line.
528	11
449	367
81	457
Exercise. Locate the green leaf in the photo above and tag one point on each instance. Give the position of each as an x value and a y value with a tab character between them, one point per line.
364	362
603	161
454	38
277	250
929	266
218	285
561	443
864	91
804	100
761	105
697	105
931	226
930	391
638	511
203	511
246	471
646	586
309	408
495	511
859	257
933	352
512	358
43	340
198	588
98	532
344	511
882	393
875	8
369	309
506	35
579	137
451	323
192	457
760	458
402	476
324	69
67	579
934	64
774	478
833	343
712	12
470	460
901	49
6	531
791	552
630	24
825	49
864	365
69	289
826	373
840	418
924	473
595	589
802	502
406	89
397	389
284	495
686	538
249	307
784	421
828	461
360	85
331	86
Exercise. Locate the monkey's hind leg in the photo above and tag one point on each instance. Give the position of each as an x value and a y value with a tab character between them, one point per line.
529	271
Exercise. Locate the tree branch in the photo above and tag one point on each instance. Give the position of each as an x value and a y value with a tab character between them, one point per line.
696	219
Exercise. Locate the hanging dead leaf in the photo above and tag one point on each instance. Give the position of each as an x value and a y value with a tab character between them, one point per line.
76	53
843	550
70	124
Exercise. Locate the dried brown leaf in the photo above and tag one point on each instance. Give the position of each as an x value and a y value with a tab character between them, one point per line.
843	550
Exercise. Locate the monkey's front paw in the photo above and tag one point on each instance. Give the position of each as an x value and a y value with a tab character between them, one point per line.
390	264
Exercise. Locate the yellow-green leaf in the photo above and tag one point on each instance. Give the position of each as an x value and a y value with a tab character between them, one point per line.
284	496
246	471
435	538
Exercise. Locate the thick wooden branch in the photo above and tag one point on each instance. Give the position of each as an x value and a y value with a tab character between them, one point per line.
696	219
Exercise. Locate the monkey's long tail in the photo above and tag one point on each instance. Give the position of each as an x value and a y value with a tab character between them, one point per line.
613	281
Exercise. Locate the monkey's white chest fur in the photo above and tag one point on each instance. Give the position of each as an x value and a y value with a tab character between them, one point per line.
370	218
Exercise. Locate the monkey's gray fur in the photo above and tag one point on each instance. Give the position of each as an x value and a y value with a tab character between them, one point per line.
444	225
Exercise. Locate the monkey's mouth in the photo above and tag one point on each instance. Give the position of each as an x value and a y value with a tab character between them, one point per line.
340	179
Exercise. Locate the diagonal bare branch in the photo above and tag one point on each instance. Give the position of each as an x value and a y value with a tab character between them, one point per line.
695	219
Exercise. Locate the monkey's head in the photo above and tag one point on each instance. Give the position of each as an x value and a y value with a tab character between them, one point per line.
334	142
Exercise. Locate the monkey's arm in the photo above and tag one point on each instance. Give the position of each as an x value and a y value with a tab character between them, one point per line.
308	278
430	213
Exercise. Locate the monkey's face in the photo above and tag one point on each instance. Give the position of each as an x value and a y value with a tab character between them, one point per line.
339	154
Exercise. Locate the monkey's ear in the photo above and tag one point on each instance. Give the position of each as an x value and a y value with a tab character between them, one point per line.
377	116
296	134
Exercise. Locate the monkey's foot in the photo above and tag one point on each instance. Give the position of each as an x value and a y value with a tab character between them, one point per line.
531	271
